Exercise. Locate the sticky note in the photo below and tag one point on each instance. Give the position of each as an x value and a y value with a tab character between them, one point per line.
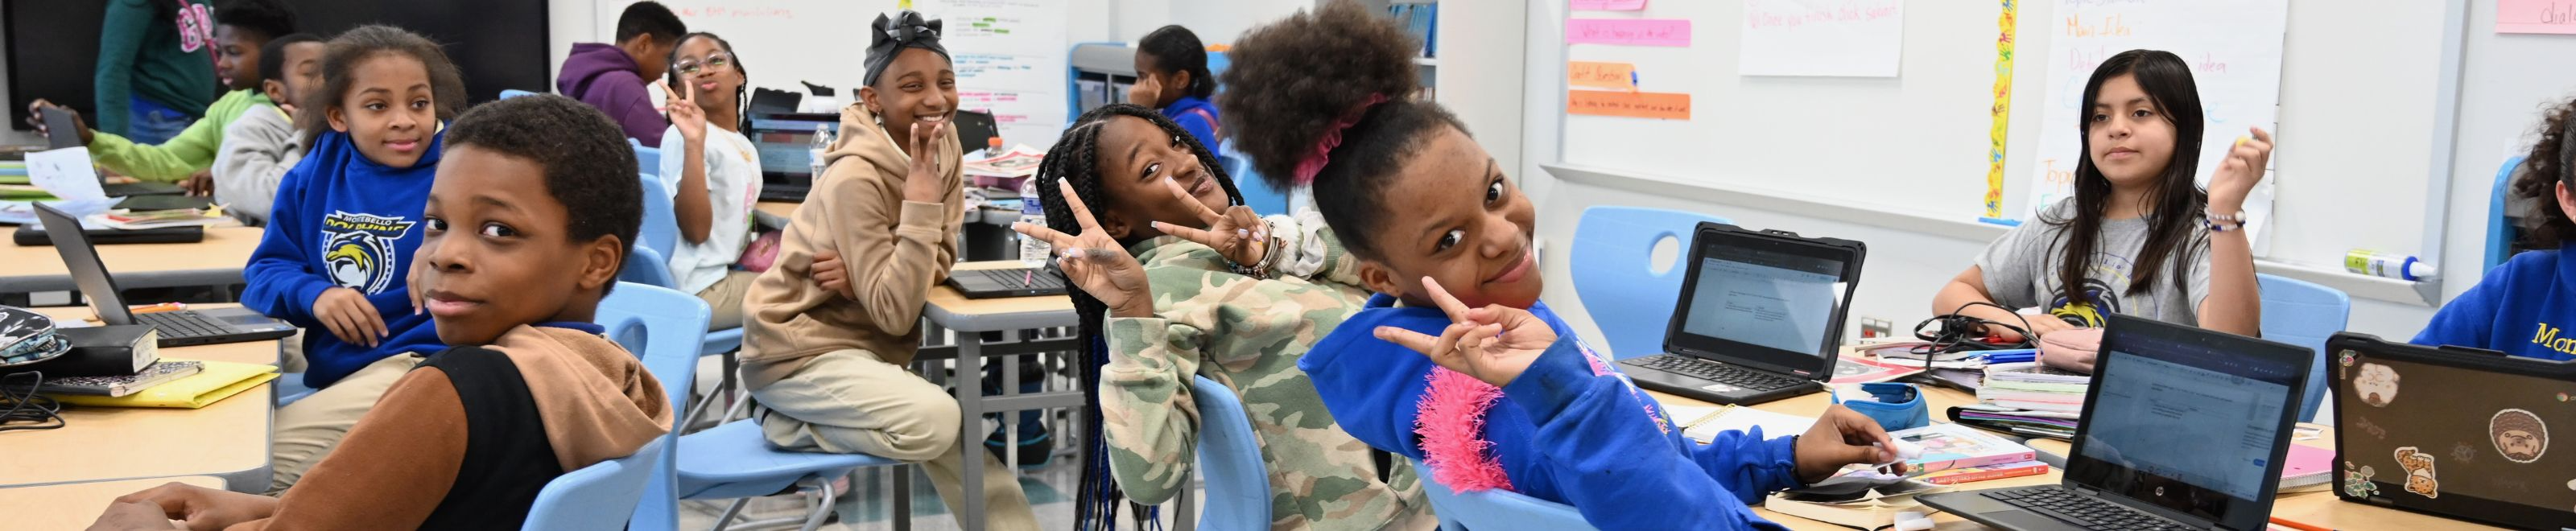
1620	76
1657	105
1609	5
1628	31
66	173
2529	16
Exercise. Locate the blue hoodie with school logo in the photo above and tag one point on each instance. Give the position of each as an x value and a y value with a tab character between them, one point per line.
343	220
1562	432
2522	308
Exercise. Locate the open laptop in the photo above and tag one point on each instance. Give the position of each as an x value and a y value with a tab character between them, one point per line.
178	328
2185	428
1013	282
2455	432
60	119
1760	316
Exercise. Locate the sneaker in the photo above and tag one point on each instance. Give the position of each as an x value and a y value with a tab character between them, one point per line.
1036	446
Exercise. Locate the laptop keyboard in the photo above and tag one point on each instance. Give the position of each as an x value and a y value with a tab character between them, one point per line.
1016	278
173	325
2090	512
1751	380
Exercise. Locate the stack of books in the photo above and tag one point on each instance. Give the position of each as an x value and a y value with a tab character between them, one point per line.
2027	399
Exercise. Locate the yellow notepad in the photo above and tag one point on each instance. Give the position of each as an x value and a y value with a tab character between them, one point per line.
220	380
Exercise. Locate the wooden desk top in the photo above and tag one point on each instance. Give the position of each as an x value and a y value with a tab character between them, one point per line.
260	352
76	505
779	208
951	309
2313	508
223	248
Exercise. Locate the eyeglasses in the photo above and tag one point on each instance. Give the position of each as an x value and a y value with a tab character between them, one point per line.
715	61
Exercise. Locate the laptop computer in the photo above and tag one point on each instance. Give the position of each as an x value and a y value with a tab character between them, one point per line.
1013	282
2185	428
1760	316
177	328
60	119
2454	432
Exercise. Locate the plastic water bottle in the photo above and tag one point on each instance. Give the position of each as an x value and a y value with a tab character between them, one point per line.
822	144
1033	251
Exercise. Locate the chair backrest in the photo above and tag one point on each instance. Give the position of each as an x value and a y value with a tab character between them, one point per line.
513	93
1615	272
661	229
1496	510
648	159
1257	193
588	499
1238	484
2304	313
2500	229
643	266
664	326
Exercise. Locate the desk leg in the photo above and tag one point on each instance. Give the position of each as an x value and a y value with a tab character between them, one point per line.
970	415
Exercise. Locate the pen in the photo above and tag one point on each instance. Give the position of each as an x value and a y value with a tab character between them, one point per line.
2285	522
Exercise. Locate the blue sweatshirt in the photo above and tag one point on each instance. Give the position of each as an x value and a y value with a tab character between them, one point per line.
1197	116
2522	308
1561	433
342	220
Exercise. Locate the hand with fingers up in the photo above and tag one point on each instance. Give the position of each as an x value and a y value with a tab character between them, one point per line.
1493	344
1238	234
1094	262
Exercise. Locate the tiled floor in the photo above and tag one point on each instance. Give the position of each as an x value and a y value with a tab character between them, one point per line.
1049	489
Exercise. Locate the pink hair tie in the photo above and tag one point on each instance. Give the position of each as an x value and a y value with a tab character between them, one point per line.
1314	162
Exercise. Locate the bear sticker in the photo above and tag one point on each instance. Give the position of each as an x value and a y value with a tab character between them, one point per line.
2419	472
2519	435
2377	384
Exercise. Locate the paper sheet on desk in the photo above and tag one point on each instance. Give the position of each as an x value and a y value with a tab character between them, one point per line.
24	212
1735	418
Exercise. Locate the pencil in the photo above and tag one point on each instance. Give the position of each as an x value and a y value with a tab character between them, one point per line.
2285	522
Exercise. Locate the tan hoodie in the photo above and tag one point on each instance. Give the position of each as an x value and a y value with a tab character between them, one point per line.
399	462
895	252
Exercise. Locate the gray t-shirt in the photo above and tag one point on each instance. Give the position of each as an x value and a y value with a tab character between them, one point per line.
2021	271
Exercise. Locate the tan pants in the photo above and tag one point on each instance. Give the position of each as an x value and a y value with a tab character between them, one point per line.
725	298
849	402
309	428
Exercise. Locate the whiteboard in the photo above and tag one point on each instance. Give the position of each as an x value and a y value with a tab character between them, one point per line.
1009	54
2354	152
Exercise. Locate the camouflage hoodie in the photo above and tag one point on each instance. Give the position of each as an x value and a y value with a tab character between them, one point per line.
1247	333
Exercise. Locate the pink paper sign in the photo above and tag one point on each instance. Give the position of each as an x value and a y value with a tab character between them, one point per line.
1632	32
2534	16
1609	5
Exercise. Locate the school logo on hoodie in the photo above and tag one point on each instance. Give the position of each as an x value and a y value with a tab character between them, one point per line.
358	249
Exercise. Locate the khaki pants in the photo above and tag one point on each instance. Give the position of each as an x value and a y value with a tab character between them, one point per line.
849	402
309	428
725	299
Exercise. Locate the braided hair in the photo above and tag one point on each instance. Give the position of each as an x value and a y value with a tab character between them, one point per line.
1075	160
741	97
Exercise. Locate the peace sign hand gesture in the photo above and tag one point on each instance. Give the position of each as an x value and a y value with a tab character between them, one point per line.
1238	234
682	104
1094	262
1493	344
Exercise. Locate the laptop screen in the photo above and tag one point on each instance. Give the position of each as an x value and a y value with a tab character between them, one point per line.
1773	303
81	259
2188	420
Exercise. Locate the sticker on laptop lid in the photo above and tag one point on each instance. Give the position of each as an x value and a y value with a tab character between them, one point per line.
2377	384
2519	435
2420	476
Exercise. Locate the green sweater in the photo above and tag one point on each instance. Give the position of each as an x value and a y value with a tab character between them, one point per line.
141	53
194	149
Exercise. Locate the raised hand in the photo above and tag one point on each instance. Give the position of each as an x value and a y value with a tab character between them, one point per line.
680	100
1146	92
1493	344
925	183
1238	234
1095	263
2238	172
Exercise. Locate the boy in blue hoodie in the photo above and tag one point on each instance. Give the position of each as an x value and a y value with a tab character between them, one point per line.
1507	397
343	230
611	77
2524	307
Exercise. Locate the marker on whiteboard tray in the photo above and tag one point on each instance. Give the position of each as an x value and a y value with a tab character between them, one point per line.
2389	265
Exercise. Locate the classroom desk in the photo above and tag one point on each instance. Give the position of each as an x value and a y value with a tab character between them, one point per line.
969	318
227	439
2314	508
76	505
782	209
217	261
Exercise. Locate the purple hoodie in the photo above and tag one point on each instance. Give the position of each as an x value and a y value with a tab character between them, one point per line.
604	77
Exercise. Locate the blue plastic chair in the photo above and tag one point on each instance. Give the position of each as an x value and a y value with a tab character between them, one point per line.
663	325
733	461
1496	510
648	159
1238	484
1615	273
2304	313
290	388
643	266
1257	193
513	93
661	229
577	500
2500	229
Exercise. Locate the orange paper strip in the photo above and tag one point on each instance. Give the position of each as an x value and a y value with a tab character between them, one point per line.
1658	105
1620	76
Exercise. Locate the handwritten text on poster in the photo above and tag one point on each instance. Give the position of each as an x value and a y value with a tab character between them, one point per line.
1657	105
1629	31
